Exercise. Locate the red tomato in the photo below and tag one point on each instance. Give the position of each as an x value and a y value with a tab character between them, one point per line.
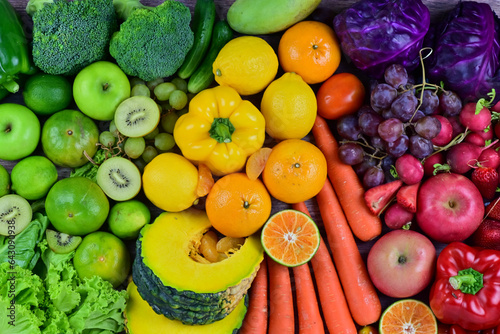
341	94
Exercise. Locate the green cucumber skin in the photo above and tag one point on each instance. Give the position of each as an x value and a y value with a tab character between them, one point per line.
203	24
203	76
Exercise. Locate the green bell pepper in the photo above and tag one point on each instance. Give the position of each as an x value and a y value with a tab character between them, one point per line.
15	56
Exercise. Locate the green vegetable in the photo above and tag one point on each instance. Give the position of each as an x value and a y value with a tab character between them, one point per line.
89	169
15	57
23	249
204	76
59	302
69	35
203	24
152	41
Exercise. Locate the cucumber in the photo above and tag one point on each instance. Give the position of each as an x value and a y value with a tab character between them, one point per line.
203	23
204	76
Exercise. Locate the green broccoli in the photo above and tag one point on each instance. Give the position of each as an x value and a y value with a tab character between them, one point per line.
69	35
152	42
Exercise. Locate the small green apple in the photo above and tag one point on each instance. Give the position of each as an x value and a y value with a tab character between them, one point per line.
99	88
19	131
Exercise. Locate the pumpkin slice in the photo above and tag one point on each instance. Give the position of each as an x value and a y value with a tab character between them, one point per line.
176	285
141	319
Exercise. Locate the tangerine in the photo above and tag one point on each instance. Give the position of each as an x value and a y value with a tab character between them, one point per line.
237	206
408	316
295	171
310	49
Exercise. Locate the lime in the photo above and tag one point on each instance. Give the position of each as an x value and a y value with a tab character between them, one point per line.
46	94
408	316
76	206
33	176
290	237
4	181
126	218
102	254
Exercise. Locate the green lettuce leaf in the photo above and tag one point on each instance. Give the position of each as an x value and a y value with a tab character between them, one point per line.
89	169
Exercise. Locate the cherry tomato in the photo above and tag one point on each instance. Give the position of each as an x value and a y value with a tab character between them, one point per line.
341	94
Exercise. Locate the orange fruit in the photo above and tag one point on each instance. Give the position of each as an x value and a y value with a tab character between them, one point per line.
408	316
290	237
310	49
237	206
295	171
256	162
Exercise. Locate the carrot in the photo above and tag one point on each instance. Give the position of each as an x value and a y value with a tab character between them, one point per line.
281	310
336	312
364	224
359	291
255	321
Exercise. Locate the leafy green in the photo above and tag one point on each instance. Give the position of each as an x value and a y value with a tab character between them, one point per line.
22	249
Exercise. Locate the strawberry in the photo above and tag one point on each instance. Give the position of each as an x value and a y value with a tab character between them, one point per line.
486	180
487	235
493	209
407	197
378	197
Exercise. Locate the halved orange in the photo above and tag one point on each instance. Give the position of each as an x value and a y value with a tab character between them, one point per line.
290	237
408	316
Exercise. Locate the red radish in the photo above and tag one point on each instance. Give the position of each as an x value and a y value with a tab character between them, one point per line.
458	128
463	156
479	138
473	119
446	134
432	162
410	170
489	158
396	216
496	107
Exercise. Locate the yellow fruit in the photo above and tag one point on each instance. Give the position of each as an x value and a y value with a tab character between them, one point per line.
289	107
247	64
170	182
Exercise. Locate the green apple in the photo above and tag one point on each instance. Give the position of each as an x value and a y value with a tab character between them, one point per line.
19	131
99	88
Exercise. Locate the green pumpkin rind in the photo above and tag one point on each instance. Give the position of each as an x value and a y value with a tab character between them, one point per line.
192	305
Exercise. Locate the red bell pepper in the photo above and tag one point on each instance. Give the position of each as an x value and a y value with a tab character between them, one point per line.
466	290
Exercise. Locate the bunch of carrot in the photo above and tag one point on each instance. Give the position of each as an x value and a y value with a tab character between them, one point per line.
346	293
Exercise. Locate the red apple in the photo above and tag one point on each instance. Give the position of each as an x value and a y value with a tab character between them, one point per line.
449	207
401	263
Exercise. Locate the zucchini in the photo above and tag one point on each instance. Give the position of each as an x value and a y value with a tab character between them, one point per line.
204	76
203	24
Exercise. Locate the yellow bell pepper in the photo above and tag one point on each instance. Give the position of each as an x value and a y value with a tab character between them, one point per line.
220	130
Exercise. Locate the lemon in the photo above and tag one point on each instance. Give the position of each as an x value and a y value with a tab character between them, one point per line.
46	94
247	64
169	181
289	107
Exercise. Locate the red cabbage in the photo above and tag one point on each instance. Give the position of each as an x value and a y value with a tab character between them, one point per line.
377	33
466	51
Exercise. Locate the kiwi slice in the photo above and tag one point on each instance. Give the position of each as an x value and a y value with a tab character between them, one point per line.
137	116
62	243
119	178
15	214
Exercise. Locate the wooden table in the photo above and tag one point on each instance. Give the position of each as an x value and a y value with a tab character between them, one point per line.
325	13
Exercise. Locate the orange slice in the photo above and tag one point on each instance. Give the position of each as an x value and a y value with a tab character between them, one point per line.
256	162
408	316
290	237
205	180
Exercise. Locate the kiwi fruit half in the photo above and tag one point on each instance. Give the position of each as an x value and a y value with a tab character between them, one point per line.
137	116
62	243
119	178
15	214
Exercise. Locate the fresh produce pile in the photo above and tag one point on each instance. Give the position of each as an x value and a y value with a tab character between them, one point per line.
274	170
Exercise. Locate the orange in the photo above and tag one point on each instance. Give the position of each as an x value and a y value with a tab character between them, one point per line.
295	171
290	237
310	49
237	206
408	316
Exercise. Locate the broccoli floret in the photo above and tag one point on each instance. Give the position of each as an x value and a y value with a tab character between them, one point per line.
69	35
152	42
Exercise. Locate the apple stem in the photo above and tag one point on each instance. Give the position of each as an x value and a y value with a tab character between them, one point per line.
468	281
402	259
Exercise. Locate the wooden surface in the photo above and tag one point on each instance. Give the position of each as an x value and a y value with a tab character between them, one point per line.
325	12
